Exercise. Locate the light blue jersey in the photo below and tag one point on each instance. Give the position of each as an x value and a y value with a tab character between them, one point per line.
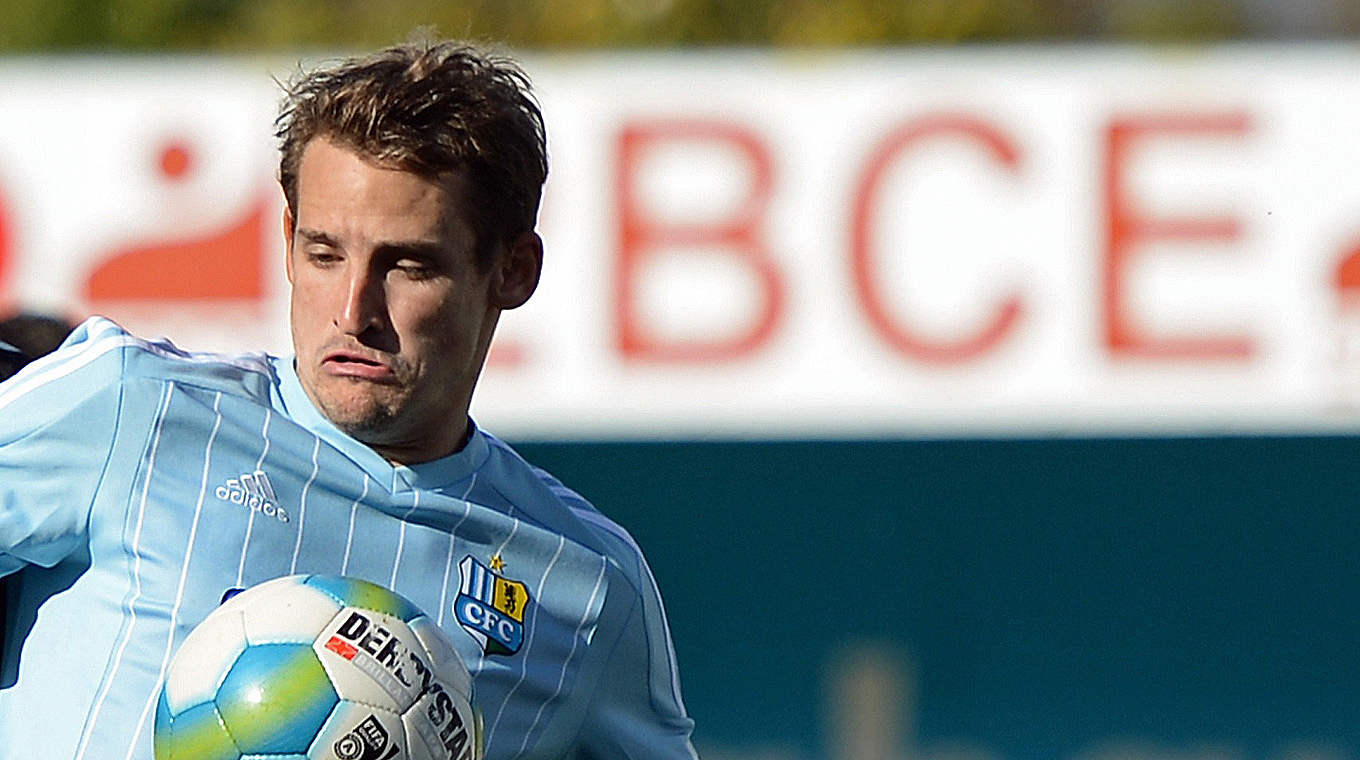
138	483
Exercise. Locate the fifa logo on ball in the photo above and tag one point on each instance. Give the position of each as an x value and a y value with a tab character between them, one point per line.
366	742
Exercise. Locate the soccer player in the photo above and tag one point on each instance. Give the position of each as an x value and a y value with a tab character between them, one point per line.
139	482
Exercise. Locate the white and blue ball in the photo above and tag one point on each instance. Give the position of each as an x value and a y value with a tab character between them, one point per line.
315	667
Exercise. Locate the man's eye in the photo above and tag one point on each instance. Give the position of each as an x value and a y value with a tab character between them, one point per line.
415	270
322	257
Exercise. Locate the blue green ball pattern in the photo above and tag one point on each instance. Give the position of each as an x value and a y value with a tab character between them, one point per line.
266	681
353	592
243	719
195	734
272	680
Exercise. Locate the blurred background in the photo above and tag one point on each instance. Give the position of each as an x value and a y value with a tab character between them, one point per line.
157	26
980	376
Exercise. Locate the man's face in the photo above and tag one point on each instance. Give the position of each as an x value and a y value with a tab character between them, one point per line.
391	318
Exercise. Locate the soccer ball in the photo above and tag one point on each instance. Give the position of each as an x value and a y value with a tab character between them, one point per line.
317	667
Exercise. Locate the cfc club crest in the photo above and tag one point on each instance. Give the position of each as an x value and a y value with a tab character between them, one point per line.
491	607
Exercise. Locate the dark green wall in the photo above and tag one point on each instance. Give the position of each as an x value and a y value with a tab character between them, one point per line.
1051	595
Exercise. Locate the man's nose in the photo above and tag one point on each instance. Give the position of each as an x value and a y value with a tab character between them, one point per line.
363	306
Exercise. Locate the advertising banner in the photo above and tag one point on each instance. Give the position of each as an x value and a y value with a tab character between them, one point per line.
1006	241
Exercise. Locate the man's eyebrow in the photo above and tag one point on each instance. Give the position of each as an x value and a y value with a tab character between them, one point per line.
417	248
315	236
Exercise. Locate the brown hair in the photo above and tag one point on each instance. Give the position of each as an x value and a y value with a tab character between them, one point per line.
429	108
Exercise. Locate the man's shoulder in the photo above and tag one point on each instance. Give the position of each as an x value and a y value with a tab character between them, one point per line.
106	351
545	499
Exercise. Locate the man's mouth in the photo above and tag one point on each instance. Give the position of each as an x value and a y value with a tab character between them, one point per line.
355	365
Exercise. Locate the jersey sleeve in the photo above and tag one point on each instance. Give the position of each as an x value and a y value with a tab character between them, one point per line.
58	418
637	710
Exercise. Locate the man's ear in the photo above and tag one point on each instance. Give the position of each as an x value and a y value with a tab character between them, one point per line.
516	272
288	241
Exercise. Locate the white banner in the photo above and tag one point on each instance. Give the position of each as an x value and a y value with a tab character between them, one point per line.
1007	241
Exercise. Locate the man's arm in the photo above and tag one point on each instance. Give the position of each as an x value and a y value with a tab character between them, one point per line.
57	421
637	710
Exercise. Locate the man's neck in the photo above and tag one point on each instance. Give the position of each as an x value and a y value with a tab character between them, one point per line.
413	454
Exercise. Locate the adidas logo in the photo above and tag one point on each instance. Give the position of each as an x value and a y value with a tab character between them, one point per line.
254	492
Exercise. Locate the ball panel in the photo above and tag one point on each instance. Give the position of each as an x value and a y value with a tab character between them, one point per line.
288	613
353	592
351	682
195	734
443	725
160	726
360	732
420	749
234	602
381	647
275	698
214	644
448	665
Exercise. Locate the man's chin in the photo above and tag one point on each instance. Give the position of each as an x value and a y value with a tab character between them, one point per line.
365	422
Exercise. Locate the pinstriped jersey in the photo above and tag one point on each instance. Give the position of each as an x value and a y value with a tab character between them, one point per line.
139	482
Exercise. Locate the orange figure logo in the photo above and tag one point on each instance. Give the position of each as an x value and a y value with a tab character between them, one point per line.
225	264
